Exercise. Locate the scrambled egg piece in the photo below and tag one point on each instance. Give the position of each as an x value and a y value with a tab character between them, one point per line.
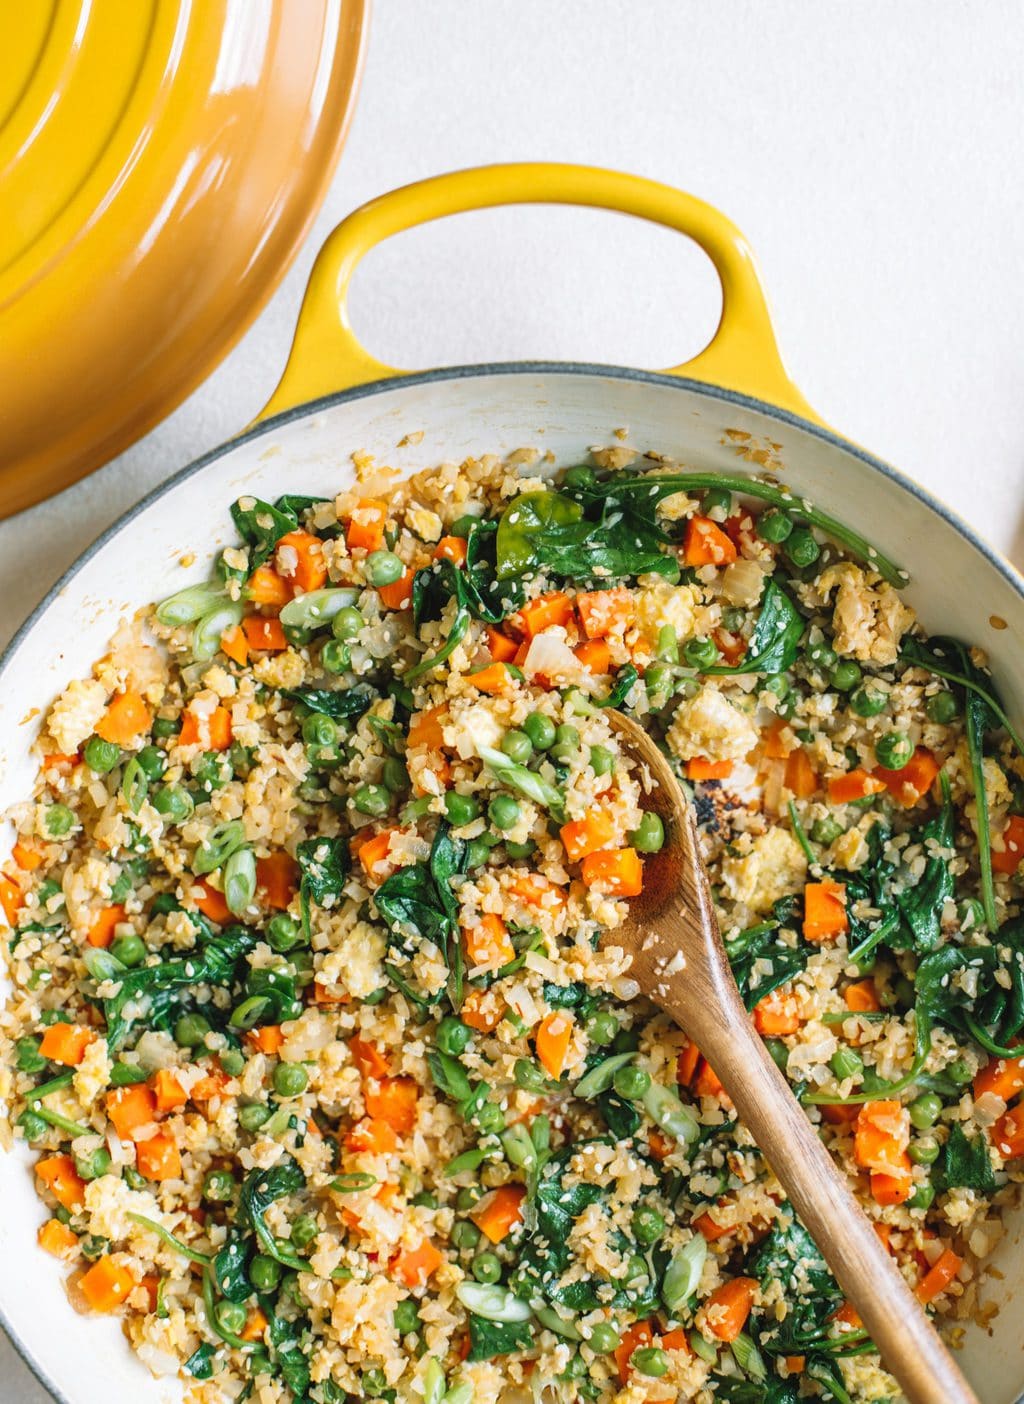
710	726
869	618
775	866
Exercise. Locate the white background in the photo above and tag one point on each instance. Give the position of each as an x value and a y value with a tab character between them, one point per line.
872	152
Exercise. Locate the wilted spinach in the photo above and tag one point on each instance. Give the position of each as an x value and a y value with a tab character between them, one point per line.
964	1163
417	904
324	865
994	1014
260	1190
341	704
775	643
488	1339
261	527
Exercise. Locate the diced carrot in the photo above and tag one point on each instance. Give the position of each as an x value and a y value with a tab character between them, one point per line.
399	594
708	1084
840	1115
488	942
12	899
56	1238
212	903
211	730
125	720
106	1285
373	856
800	774
675	1340
595	655
825	910
267	1039
1007	1135
502	648
660	1146
235	645
167	1090
130	1108
101	932
158	1158
775	745
1008	858
853	785
414	1266
728	1307
705	543
911	783
777	1014
481	1012
535	889
699	768
795	1364
497	1214
66	1043
604	612
264	634
939	1276
862	997
554	1034
731	646
27	855
494	679
256	1324
277	879
710	1228
394	1100
889	1189
60	1177
686	1064
618	872
545	612
883	1232
368	1058
325	994
211	1084
366	525
59	760
848	1315
451	548
266	587
376	1137
310	569
635	1338
582	836
1003	1076
882	1137
425	728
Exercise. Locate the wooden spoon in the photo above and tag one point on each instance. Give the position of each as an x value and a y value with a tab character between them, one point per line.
674	917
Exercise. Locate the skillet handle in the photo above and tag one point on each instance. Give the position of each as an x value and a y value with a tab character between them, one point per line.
327	357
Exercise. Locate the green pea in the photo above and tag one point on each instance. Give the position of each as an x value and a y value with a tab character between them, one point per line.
253	1116
94	1164
33	1127
233	1060
801	547
219	1187
153	762
893	750
631	1082
166	727
477	853
304	1229
922	1197
778	1052
173	803
58	821
845	676
580	476
27	1055
601	1027
924	1151
778	685
486	1267
517	746
567	742
626	1040
491	1119
383	568
602	761
465	1235
461	809
659	679
283	932
467	1197
231	1317
960	1071
717	500
941	707
822	655
774	526
700	653
528	1076
264	1273
648	1225
453	1036
463	526
424	1200
925	1111
540	730
213	771
395	776
372	799
318	730
406	1318
649	835
347	623
604	1338
520	850
290	1079
101	756
650	1361
129	950
845	1062
868	701
190	1031
826	830
503	812
335	656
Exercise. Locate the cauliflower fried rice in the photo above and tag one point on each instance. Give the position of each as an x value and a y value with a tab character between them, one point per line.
336	1083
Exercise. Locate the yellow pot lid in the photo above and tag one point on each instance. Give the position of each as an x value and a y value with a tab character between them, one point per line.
160	163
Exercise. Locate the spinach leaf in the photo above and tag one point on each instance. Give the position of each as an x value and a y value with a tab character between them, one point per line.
921	905
295	503
623	685
341	704
581	534
965	1163
229	1269
773	1391
200	1363
994	1015
761	943
775	643
268	997
291	1361
950	659
575	996
324	865
259	1191
789	1252
621	1117
261	527
417	904
488	1339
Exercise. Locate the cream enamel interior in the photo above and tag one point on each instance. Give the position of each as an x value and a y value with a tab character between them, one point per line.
956	587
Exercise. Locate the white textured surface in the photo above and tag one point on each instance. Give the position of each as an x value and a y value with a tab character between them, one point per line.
869	152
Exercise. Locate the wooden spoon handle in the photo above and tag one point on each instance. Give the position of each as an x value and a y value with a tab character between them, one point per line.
909	1344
